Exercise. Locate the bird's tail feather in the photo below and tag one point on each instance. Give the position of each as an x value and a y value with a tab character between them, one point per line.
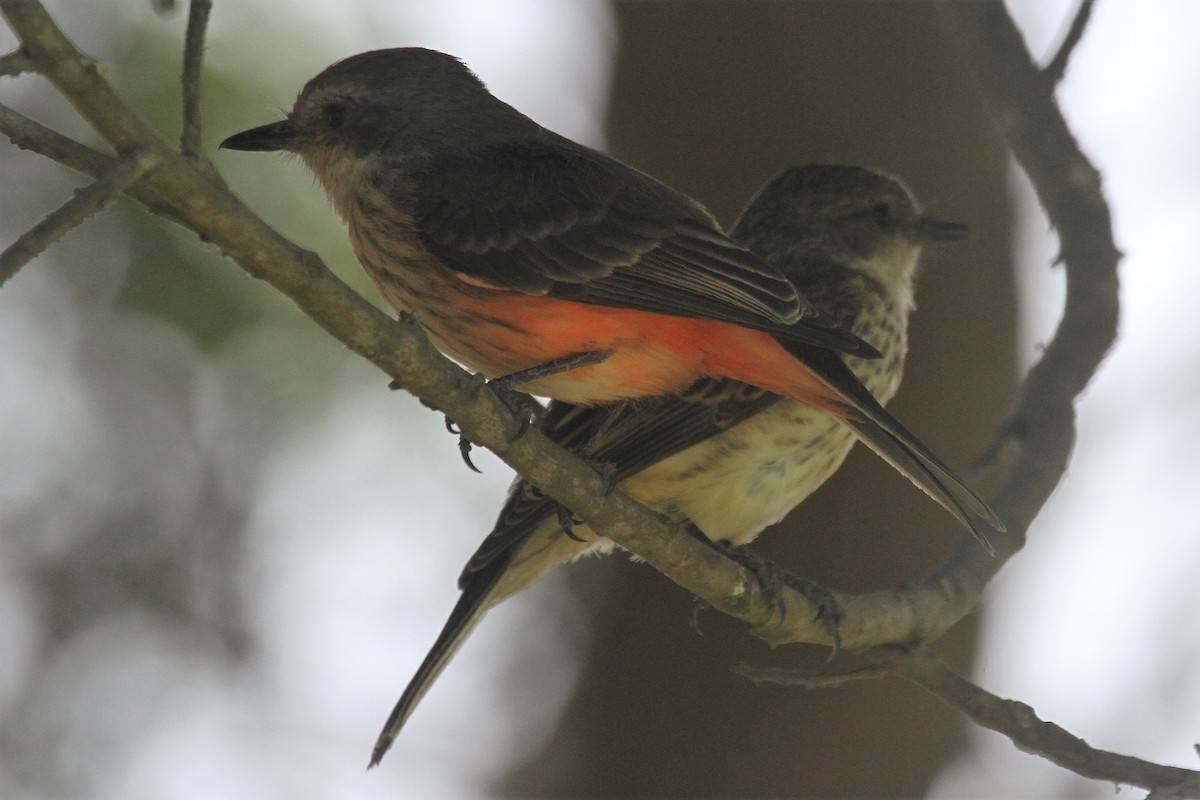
931	476
478	595
884	434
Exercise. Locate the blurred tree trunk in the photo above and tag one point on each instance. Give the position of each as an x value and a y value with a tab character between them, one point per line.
714	98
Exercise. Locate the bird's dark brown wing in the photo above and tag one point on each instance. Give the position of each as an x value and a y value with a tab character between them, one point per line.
629	436
546	217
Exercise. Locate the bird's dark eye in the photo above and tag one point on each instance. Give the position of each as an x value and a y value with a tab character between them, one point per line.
335	113
882	213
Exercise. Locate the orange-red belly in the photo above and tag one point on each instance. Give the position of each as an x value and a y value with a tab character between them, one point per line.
652	353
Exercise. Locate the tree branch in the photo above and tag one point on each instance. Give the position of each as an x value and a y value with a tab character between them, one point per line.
1040	432
15	63
193	62
1013	719
1053	72
78	78
1027	731
201	203
27	134
87	201
1038	436
30	135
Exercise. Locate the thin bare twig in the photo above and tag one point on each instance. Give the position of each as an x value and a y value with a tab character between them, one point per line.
1053	72
1015	720
27	134
1027	731
193	64
87	201
78	78
809	679
16	63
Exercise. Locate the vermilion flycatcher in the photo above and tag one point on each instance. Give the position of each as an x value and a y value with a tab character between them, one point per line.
520	250
724	456
523	253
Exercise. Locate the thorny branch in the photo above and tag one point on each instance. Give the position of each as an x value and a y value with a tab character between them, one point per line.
1040	429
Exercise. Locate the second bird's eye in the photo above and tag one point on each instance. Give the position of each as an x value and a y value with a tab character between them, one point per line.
882	213
335	114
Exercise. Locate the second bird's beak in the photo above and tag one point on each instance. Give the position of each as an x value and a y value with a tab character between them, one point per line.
930	230
282	135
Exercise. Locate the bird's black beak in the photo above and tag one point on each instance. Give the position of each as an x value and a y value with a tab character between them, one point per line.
282	135
931	230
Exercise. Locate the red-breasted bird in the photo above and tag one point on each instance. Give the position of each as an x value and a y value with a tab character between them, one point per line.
727	457
523	253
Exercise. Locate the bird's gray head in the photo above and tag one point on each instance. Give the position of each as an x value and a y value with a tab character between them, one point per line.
843	213
381	109
408	102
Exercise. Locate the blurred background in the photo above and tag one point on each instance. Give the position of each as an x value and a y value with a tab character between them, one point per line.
225	545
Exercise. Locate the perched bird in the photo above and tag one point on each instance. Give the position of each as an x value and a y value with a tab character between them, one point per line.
727	457
525	255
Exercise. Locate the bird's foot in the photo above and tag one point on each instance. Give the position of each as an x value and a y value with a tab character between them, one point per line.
551	368
565	519
522	405
568	523
773	578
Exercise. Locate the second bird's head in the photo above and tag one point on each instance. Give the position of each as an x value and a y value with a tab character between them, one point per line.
845	214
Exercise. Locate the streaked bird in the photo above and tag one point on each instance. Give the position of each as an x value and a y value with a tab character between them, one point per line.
727	457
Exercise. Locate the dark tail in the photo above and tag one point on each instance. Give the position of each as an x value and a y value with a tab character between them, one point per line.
468	611
884	434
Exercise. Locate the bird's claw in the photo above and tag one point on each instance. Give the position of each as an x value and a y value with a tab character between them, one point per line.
567	523
464	450
608	472
773	578
769	574
829	612
565	520
522	405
